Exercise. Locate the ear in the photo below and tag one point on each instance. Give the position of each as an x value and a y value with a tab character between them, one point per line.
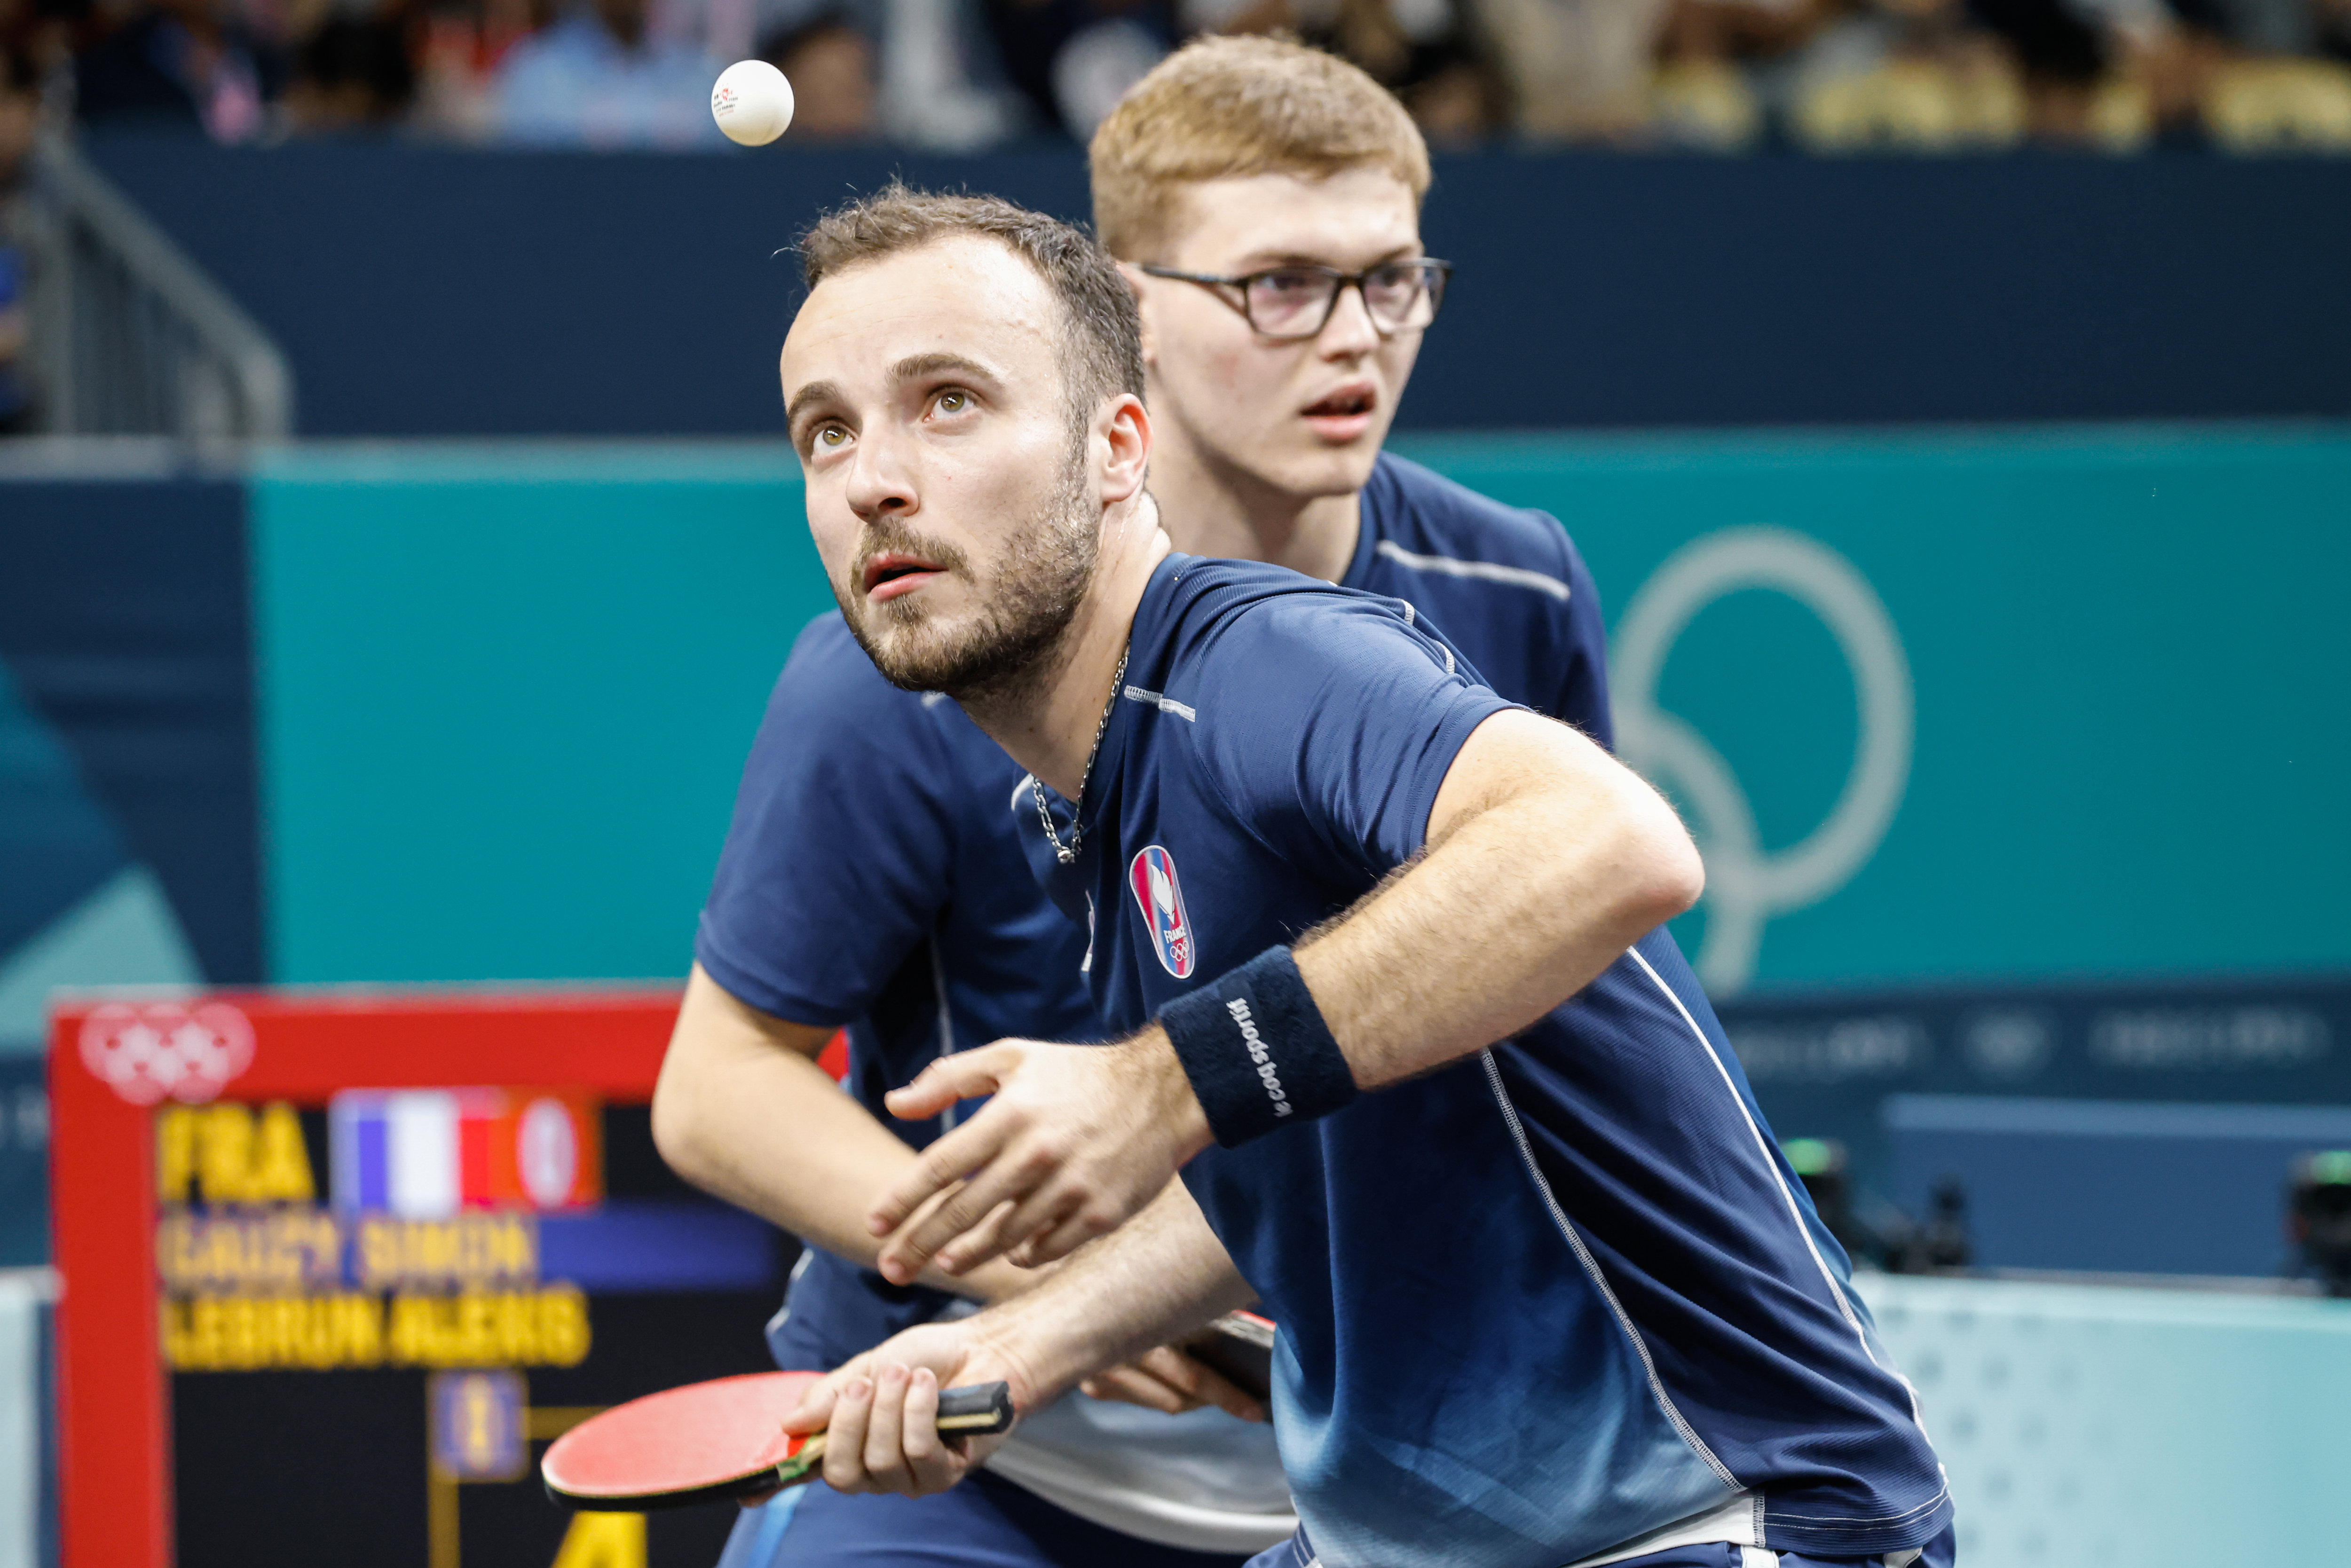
1143	308
1125	426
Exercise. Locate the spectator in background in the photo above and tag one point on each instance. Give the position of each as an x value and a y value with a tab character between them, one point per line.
179	63
1576	69
830	62
1074	59
351	73
2332	23
597	78
2063	55
463	44
1429	53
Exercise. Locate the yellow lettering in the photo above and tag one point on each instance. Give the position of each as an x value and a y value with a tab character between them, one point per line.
281	1172
362	1331
517	1254
604	1541
471	1250
249	1333
171	1319
516	1330
563	1335
378	1252
475	1320
223	1153
409	1338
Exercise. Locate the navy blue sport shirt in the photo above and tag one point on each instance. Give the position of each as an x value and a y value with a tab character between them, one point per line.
1554	1298
873	875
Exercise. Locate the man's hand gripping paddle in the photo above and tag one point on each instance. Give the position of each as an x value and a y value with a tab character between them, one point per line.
718	1441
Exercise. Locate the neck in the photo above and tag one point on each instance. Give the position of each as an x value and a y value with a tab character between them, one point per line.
1214	509
1049	725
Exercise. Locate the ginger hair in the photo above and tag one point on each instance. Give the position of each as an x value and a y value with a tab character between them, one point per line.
1236	105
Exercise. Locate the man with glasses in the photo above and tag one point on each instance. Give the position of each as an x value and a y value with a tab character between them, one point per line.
1265	201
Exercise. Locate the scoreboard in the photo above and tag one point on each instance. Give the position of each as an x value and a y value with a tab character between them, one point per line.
335	1269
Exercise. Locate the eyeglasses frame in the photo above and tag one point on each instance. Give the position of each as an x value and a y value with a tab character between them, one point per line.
1341	280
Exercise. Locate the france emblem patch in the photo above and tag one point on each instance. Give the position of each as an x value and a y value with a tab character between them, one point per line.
1152	875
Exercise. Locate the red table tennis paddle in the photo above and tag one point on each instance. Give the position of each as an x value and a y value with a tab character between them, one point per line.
716	1441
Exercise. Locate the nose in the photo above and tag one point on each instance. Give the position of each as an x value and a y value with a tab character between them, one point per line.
878	484
1350	333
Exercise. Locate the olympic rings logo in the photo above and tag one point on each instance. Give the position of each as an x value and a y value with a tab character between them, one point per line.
148	1053
1745	884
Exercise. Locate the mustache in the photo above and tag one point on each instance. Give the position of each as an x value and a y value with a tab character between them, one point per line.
889	534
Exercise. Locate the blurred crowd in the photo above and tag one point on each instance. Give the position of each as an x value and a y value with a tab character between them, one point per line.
1826	75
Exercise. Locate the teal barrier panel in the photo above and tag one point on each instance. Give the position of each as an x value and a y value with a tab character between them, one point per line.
1945	707
2011	703
2154	1429
505	694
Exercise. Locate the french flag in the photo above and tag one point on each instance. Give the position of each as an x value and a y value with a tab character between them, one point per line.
425	1154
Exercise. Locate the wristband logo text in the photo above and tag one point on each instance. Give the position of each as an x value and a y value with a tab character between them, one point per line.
1239	1009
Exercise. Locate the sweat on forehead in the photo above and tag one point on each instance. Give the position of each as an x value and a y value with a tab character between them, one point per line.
1104	334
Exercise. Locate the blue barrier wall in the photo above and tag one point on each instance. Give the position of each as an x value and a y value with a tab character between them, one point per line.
428	292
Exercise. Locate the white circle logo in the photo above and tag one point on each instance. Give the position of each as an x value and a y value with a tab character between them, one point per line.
164	1049
1746	885
546	1152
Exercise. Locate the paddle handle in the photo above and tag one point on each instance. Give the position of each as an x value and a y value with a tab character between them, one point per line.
977	1408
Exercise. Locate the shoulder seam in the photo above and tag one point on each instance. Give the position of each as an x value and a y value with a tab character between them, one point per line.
1486	570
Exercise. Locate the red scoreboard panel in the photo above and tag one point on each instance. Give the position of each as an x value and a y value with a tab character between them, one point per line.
335	1270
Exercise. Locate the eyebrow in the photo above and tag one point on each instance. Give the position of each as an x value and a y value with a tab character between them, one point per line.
1257	261
915	365
815	392
905	370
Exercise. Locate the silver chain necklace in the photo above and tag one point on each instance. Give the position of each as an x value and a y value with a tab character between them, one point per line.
1067	853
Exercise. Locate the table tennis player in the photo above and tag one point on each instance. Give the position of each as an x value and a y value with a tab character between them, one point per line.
873	875
1385	952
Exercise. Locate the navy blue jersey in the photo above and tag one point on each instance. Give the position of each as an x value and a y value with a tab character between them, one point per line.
1507	586
871	879
873	876
1551	1299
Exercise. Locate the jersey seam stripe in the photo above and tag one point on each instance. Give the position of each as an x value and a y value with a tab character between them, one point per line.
1490	571
1592	1268
1839	1522
1844	1306
1164	702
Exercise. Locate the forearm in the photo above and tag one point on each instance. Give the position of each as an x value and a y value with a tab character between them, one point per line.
1154	1280
1544	865
1546	860
742	1111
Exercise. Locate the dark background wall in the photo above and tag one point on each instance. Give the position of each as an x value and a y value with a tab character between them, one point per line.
442	292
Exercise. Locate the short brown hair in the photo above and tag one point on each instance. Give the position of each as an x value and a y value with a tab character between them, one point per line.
1101	345
1222	107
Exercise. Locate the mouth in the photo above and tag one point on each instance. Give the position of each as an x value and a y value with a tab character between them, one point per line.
891	574
1344	413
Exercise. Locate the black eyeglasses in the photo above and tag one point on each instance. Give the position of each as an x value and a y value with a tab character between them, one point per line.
1297	300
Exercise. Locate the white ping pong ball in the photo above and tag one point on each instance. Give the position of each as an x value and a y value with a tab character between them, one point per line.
752	102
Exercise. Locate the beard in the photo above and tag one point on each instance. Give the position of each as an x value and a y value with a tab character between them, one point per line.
1026	602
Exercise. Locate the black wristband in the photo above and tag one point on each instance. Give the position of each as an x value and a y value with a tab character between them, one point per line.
1257	1051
